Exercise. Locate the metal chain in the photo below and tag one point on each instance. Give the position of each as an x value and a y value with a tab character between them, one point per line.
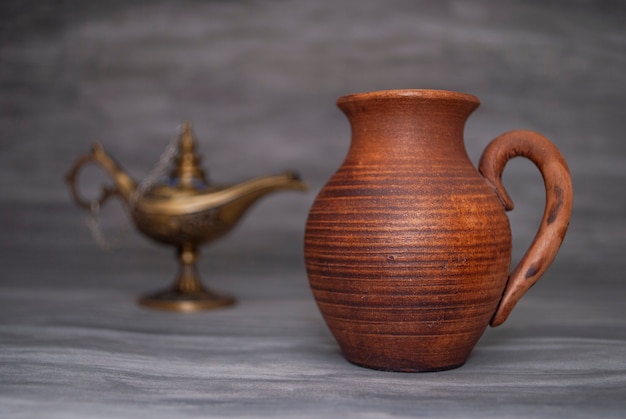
157	171
94	219
95	226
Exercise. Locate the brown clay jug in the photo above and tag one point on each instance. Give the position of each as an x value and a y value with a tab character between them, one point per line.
408	246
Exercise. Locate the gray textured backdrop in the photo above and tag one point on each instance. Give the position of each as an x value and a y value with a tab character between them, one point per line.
259	81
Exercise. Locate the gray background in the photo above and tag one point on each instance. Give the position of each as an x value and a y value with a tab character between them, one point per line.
259	81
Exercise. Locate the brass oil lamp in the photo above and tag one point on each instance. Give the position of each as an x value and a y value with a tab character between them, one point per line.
184	211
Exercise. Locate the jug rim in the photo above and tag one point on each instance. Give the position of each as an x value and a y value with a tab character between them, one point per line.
410	94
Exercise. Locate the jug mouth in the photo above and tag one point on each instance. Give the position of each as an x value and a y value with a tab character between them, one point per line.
432	94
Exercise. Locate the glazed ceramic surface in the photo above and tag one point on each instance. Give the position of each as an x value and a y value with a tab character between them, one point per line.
408	246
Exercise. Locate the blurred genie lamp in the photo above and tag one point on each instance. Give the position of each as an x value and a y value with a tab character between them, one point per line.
184	211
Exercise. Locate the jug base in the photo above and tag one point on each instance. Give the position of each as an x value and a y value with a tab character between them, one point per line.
407	369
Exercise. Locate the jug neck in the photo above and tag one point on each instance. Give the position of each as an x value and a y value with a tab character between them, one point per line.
408	125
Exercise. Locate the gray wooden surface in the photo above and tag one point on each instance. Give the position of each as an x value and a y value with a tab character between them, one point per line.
259	81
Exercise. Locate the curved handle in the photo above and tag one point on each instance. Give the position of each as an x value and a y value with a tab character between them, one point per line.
556	215
72	178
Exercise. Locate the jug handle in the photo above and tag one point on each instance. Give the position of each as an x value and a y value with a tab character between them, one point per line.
557	212
72	179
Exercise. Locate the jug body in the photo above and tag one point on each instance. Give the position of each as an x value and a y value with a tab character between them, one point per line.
407	246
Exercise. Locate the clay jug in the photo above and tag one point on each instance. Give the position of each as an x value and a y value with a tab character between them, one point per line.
408	246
